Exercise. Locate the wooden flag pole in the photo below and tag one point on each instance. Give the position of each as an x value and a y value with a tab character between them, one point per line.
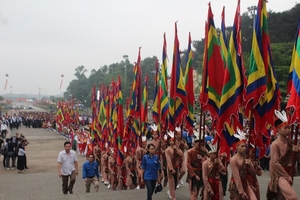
248	142
201	124
294	154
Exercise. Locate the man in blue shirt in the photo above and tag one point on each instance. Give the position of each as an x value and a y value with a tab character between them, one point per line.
90	173
187	136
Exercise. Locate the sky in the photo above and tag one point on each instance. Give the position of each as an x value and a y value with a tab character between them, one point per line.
41	40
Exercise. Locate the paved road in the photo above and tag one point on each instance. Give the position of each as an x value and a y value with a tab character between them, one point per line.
41	181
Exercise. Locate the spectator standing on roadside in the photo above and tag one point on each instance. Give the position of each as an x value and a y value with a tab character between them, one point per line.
67	167
90	174
21	158
10	153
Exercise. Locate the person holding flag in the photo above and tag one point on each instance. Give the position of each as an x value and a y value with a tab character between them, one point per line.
280	185
139	153
130	166
211	169
182	145
241	168
174	155
258	170
195	158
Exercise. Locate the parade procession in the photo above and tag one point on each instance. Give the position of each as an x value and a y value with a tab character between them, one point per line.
239	118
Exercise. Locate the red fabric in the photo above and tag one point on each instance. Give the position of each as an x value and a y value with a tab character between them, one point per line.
214	184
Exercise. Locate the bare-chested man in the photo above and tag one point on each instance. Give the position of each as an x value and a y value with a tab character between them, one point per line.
97	155
211	169
195	158
130	166
258	171
113	170
174	156
182	145
239	188
139	153
281	161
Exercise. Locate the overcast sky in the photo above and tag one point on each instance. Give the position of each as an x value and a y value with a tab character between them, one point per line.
42	39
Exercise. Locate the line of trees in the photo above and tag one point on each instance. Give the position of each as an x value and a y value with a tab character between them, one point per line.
282	30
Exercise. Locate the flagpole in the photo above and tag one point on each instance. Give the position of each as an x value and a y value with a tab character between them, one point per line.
200	131
248	142
292	171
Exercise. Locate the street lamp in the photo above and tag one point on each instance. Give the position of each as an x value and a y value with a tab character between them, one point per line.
125	59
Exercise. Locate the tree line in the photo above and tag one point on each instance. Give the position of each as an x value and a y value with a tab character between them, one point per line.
282	31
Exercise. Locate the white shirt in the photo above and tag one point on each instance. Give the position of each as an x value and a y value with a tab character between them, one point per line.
3	127
21	152
67	162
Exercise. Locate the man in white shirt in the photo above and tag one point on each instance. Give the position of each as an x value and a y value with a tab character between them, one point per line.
3	128
67	167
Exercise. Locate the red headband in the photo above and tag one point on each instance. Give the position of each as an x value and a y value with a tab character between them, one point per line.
240	142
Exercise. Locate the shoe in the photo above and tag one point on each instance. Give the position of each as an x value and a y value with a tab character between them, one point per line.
71	191
102	181
181	182
26	167
106	183
138	187
65	193
178	186
8	168
108	187
168	192
12	168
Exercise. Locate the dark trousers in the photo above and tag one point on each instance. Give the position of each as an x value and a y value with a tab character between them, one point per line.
65	180
4	160
264	163
224	180
3	133
150	185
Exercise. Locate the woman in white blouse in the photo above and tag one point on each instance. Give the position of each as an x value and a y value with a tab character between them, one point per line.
21	158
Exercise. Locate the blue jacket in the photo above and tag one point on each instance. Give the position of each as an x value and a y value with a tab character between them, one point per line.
90	169
150	165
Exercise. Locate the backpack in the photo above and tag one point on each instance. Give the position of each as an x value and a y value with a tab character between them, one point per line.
3	150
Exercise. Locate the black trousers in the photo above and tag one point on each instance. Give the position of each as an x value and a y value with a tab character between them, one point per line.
150	185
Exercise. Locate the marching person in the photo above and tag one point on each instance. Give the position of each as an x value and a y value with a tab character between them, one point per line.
258	171
90	173
174	156
182	145
67	167
3	129
239	187
164	160
211	169
150	170
280	185
104	163
130	166
113	170
195	157
157	143
97	154
139	154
